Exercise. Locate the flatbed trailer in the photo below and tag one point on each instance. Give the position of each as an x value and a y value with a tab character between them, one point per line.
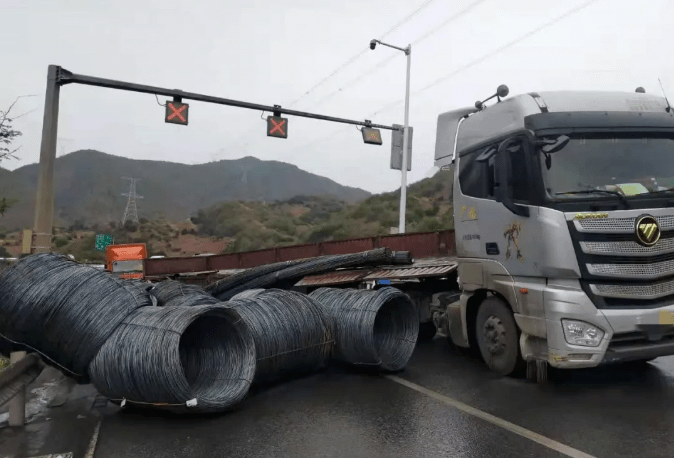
430	280
431	248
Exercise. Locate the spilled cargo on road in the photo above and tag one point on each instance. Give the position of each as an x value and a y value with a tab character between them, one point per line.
176	347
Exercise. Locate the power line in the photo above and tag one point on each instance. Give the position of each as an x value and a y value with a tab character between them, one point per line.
447	21
344	65
355	80
386	61
488	55
361	53
467	66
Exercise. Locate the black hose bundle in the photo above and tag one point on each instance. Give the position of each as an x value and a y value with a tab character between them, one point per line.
62	309
247	275
312	267
292	333
182	359
401	257
372	328
172	293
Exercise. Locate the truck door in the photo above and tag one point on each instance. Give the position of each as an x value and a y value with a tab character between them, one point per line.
486	230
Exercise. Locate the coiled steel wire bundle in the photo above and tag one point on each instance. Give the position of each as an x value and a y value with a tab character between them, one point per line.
62	309
377	328
312	267
181	359
292	333
248	294
172	293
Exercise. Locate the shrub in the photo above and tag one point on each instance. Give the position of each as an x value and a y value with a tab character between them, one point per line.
60	242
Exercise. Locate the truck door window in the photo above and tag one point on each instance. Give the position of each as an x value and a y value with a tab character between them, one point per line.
477	178
518	177
491	176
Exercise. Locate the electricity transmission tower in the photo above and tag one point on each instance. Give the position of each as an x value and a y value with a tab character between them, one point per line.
131	212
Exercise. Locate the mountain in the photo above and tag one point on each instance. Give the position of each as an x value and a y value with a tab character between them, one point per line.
246	225
89	186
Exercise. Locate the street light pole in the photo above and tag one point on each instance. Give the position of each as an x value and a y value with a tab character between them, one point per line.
403	170
403	180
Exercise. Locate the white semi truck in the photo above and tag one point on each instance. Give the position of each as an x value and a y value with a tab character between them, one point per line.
564	220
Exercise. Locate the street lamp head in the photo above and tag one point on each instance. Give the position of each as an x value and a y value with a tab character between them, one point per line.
373	44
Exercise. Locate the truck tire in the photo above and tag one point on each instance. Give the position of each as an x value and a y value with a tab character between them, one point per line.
498	337
427	330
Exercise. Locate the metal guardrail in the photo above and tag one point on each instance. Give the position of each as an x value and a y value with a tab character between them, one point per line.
13	382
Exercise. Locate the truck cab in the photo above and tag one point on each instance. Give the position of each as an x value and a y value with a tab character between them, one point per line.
126	260
564	220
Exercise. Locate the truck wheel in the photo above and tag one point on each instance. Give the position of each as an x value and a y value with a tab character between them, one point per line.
498	337
427	330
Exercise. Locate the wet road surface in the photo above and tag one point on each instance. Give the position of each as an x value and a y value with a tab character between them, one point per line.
620	411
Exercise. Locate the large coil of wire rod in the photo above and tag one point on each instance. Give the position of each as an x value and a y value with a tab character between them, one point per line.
248	294
312	267
171	293
62	309
373	328
292	333
181	359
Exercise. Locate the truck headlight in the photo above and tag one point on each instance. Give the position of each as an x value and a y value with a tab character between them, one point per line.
581	333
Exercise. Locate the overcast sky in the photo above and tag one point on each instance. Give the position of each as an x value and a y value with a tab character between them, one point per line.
274	51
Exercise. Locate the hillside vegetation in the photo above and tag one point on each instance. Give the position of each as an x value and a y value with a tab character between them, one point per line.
303	219
234	226
88	187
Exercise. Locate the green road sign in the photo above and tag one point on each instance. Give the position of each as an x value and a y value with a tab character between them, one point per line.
102	241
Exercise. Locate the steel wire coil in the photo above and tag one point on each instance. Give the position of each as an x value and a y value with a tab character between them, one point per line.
181	359
62	309
376	329
313	267
172	293
292	334
248	294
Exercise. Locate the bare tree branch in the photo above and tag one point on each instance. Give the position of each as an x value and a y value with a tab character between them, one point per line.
7	133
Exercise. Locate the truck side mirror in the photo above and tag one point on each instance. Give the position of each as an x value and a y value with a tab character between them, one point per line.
502	176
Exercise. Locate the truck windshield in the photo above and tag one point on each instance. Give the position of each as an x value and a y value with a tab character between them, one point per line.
627	166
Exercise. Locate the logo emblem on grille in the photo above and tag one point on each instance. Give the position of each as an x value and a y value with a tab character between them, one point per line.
647	230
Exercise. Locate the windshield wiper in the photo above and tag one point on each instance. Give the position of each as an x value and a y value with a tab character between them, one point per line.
661	191
598	191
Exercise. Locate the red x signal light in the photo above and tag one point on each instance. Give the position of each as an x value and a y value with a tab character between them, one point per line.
176	113
277	127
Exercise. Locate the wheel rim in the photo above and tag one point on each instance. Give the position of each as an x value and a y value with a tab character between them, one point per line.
494	336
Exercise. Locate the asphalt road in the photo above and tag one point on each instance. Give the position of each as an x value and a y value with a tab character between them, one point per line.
446	403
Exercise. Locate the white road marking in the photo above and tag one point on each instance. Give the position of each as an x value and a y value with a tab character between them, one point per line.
94	441
545	441
56	455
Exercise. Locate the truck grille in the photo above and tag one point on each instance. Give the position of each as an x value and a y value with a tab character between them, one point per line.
619	272
628	247
635	271
619	225
651	291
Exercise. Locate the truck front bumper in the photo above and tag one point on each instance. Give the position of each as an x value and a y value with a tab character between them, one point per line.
629	334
